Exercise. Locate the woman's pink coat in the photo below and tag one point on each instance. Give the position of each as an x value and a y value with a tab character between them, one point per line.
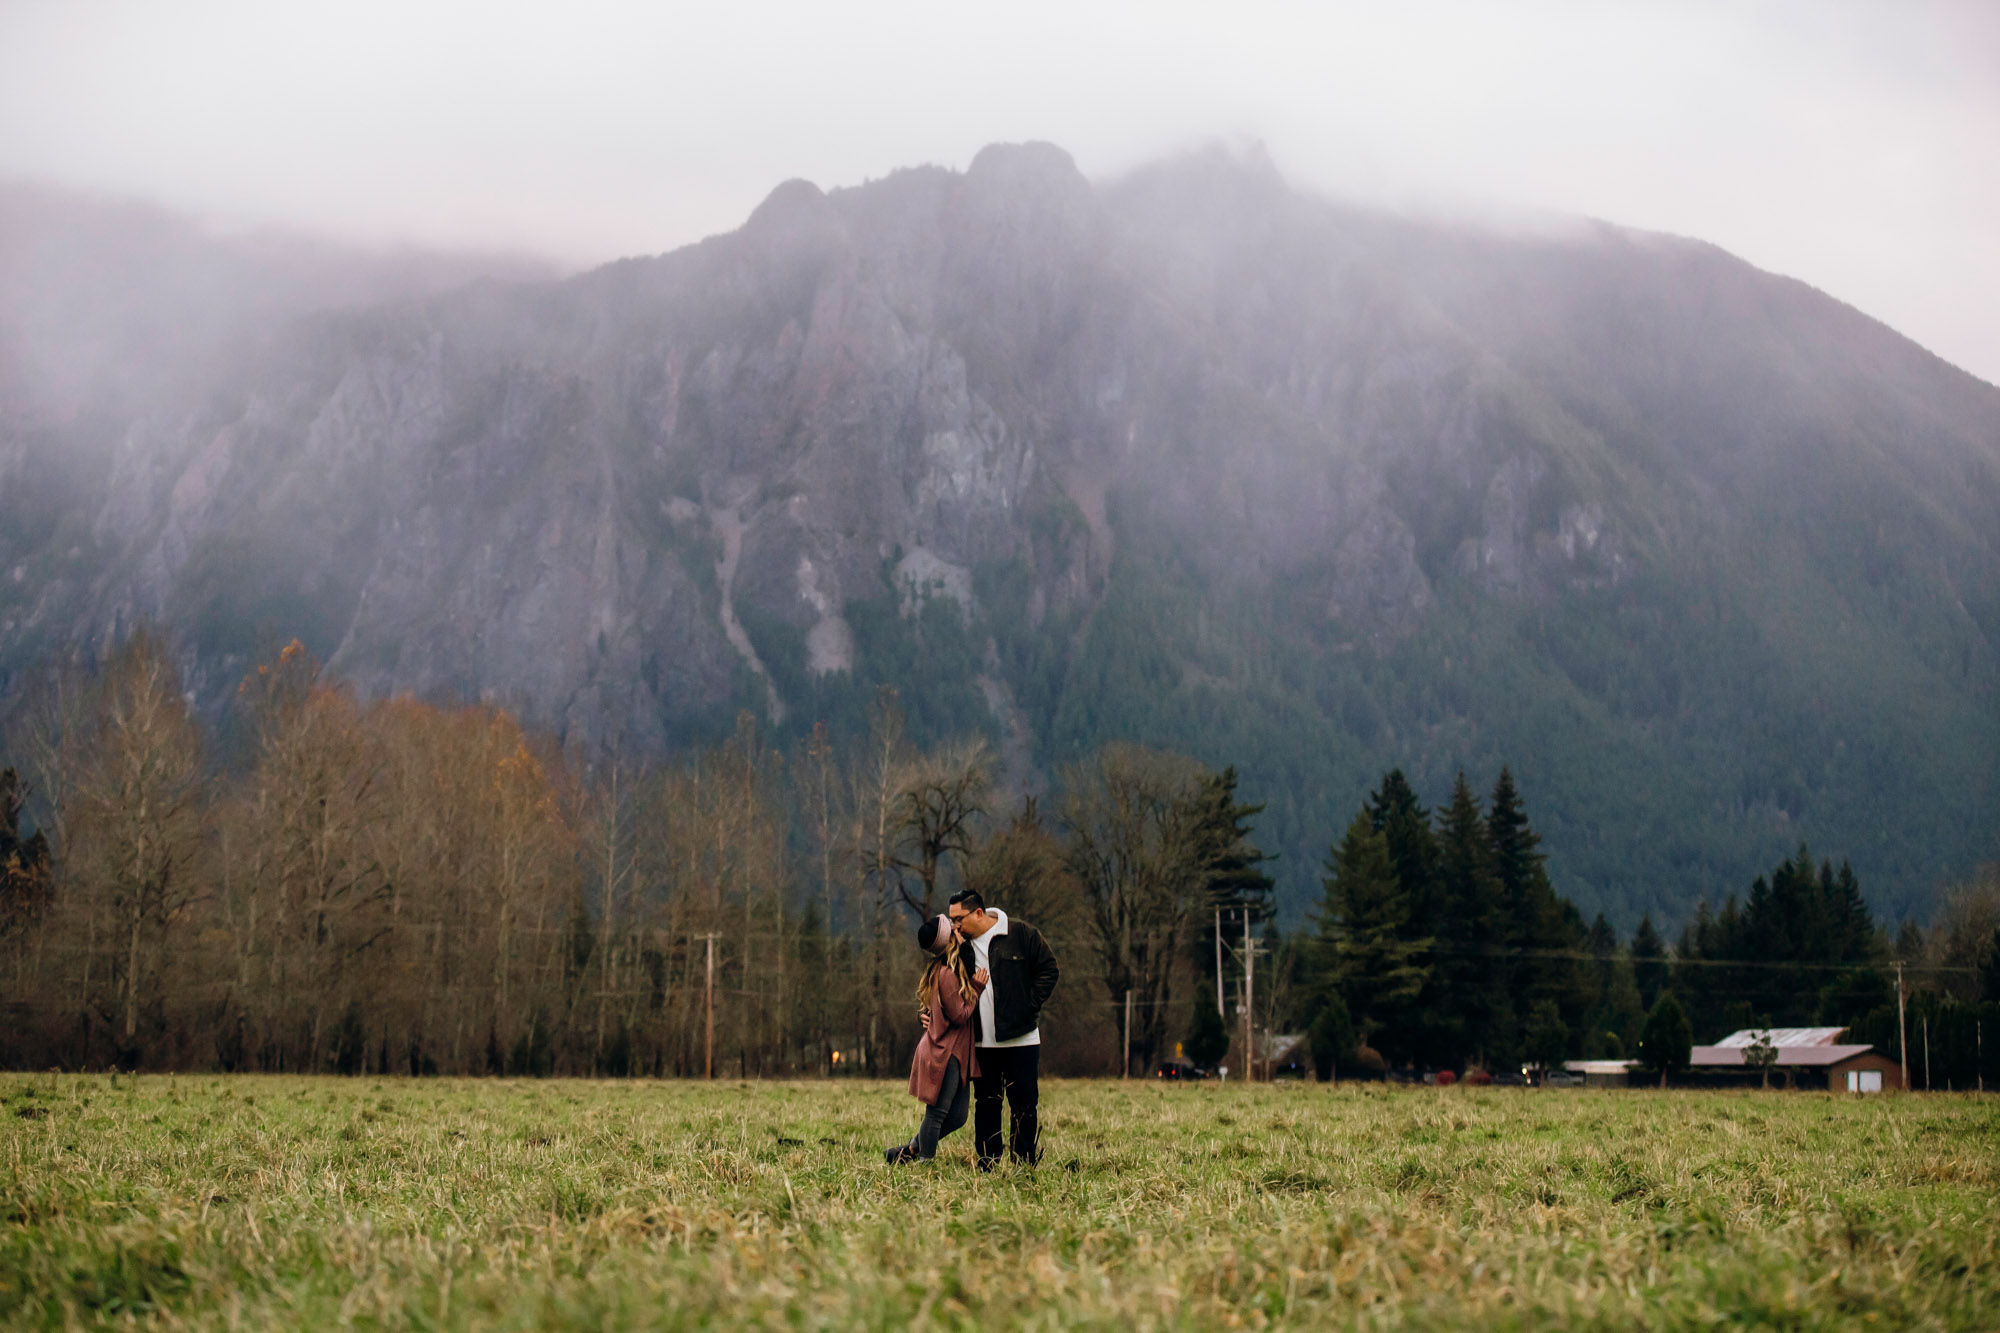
950	1035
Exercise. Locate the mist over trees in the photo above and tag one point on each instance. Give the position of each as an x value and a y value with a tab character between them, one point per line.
1190	456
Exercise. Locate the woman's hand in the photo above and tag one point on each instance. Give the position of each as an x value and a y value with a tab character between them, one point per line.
979	977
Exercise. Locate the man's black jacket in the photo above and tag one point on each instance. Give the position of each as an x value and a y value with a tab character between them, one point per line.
1022	972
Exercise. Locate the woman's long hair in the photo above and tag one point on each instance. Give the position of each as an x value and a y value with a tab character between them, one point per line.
954	959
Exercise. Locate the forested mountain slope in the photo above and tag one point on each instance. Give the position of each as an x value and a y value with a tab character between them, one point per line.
1189	458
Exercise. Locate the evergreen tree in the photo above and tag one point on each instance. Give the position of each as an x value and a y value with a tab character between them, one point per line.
1402	820
1230	860
1666	1042
1230	866
1615	1012
1541	930
1620	1013
1516	858
1332	1038
1369	961
1601	940
1649	962
1909	941
1851	996
1800	946
1850	925
1471	931
1545	1039
1405	825
1208	1040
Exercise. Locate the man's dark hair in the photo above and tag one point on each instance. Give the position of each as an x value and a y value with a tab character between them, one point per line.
927	933
969	899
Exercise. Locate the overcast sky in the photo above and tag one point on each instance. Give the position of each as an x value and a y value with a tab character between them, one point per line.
1854	145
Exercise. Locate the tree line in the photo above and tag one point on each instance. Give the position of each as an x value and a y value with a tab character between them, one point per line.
341	885
1440	944
330	884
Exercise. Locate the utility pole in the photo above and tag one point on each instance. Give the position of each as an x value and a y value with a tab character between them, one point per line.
1979	1052
708	1056
1126	1068
1219	1010
1902	1029
1927	1055
1249	1000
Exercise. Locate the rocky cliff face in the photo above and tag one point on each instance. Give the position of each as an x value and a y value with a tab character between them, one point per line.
635	500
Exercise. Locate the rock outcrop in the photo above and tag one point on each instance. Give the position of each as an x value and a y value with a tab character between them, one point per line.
633	501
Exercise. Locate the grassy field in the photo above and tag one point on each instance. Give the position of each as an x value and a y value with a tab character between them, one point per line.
297	1202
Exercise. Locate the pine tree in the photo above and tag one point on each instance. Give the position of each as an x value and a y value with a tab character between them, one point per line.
1223	832
1230	865
1368	960
1541	932
1601	943
1851	926
1601	939
1401	819
1208	1040
1406	825
1649	962
1614	1012
1545	1040
1471	932
1332	1038
1620	1013
1765	961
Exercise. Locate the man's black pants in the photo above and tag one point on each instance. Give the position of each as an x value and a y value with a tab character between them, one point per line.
1012	1072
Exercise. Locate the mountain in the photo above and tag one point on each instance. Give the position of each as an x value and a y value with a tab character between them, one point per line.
1190	457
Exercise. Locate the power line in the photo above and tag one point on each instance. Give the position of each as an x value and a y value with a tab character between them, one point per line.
1671	960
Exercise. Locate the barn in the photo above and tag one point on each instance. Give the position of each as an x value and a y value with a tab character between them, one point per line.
1807	1058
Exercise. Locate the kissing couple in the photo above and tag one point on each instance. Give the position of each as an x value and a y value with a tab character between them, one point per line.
980	1002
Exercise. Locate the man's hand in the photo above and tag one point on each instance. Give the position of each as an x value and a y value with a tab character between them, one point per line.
924	1017
979	977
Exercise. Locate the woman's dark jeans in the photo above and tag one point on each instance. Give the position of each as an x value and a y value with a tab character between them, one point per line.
945	1114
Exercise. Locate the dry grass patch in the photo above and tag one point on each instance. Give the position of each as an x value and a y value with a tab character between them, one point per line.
248	1202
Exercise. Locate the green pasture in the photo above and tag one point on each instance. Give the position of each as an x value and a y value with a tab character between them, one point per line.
387	1203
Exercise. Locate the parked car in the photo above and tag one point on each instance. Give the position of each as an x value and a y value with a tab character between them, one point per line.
1180	1071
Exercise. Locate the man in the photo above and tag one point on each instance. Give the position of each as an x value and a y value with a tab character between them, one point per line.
1023	975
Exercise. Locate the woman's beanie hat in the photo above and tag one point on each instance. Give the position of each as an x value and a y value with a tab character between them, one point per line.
933	934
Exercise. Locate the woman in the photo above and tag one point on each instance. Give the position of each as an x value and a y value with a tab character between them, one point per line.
942	1070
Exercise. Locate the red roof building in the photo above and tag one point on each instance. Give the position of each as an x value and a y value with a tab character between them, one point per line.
1807	1057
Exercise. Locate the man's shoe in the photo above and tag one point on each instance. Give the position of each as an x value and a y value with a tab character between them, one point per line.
899	1154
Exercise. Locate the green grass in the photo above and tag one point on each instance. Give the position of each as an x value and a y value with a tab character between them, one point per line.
301	1202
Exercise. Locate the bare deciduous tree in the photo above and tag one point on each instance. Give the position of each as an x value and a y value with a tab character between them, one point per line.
940	797
398	887
138	815
1134	847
